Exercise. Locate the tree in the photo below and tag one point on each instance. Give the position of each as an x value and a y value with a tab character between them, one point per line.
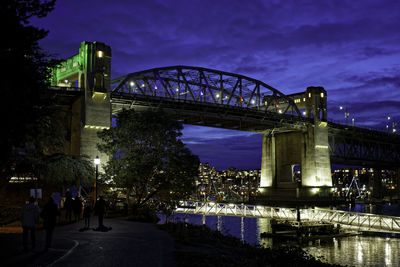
148	159
24	75
33	134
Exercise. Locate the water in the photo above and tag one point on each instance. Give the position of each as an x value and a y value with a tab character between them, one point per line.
353	251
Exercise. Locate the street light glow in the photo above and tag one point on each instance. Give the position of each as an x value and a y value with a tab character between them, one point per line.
97	160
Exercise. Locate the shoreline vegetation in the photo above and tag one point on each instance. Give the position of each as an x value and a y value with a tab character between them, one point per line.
198	245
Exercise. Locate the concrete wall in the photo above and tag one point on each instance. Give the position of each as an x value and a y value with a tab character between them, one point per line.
268	161
308	149
316	169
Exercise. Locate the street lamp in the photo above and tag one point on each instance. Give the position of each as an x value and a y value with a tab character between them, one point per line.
346	113
97	163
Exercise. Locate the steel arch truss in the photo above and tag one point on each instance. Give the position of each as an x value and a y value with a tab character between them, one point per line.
205	86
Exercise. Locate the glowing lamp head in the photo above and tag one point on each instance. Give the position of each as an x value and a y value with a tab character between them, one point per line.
97	160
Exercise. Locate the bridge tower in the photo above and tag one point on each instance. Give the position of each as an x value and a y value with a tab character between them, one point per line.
90	71
297	163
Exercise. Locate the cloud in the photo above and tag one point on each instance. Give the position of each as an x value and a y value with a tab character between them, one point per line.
349	48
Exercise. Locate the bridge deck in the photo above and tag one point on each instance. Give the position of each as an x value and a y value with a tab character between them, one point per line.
359	221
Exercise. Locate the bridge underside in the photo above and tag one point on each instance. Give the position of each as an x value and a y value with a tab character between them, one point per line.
362	147
212	115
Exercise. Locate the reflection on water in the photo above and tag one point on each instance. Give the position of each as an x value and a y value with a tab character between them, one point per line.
359	251
353	251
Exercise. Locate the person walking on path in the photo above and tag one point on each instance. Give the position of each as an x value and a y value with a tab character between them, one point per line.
30	219
68	205
49	216
87	212
77	208
100	209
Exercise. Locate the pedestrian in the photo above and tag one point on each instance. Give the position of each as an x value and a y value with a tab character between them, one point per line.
30	219
87	212
49	216
77	208
100	209
68	206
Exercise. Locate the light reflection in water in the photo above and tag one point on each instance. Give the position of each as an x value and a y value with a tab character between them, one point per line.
242	229
388	253
360	254
354	250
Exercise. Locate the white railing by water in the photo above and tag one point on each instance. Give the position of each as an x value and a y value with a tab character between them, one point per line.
360	221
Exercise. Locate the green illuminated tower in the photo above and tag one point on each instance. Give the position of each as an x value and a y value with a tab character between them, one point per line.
89	70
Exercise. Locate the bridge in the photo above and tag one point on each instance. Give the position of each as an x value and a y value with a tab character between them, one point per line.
295	128
354	220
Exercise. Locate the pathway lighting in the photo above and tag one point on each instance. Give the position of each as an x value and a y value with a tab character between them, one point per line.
97	163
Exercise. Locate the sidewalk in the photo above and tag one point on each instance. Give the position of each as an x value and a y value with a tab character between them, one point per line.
127	244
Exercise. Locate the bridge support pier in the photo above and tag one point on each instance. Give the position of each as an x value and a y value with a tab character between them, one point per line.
268	169
377	184
90	70
296	165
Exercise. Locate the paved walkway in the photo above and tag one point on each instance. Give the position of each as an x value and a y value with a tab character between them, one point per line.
126	244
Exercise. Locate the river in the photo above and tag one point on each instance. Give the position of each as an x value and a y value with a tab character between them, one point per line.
351	251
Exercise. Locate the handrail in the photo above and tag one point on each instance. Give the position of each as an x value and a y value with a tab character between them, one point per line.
361	221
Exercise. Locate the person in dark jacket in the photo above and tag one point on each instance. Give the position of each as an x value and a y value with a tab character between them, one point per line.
68	205
49	216
87	212
100	209
77	208
29	219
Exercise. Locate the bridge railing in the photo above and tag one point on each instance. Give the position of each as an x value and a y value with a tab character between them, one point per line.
360	221
237	210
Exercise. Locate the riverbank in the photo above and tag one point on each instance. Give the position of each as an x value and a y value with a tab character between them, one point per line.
198	245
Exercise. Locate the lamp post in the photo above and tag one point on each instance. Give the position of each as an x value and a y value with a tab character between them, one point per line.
346	113
97	163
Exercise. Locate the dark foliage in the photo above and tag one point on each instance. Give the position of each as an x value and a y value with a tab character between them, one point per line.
149	160
33	136
24	75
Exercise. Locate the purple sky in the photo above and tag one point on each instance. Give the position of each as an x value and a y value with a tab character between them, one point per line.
351	48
